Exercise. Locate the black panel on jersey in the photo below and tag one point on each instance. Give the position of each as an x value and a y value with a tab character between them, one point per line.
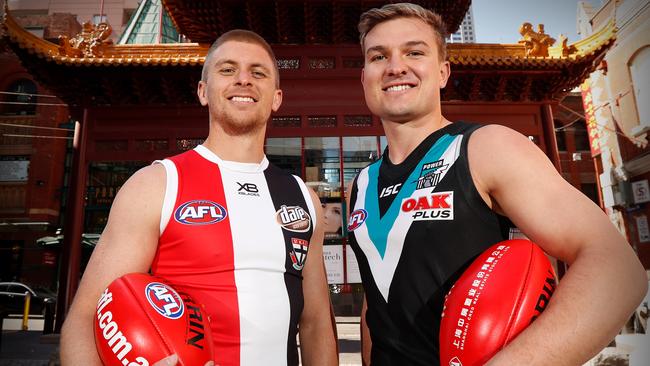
405	328
285	191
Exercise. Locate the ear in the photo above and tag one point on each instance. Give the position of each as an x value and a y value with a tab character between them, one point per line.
363	75
277	100
445	72
202	93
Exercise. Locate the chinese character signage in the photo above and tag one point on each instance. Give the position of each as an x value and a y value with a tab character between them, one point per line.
590	118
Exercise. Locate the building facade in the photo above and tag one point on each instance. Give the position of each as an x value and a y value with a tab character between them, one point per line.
618	98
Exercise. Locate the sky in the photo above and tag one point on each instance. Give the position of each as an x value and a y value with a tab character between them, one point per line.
498	21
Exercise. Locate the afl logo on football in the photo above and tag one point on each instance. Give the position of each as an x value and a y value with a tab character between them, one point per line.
293	218
164	300
357	218
200	212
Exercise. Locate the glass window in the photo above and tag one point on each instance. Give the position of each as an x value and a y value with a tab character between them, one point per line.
358	152
284	152
640	71
322	165
21	98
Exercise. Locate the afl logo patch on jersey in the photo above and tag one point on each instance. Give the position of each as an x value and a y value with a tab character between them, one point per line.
357	218
200	212
293	218
164	300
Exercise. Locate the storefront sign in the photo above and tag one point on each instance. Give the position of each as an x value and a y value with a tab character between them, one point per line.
641	191
333	257
590	118
642	228
352	266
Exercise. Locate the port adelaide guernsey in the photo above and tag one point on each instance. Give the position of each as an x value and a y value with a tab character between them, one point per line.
237	237
414	227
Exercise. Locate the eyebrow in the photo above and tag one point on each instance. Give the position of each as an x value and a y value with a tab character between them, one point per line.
380	48
233	62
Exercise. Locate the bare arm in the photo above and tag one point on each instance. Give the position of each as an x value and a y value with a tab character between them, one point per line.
605	281
317	341
128	244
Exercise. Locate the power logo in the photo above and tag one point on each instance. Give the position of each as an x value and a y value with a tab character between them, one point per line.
436	206
293	218
357	218
200	212
164	300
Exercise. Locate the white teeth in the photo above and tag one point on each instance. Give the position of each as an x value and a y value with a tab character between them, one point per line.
399	87
243	99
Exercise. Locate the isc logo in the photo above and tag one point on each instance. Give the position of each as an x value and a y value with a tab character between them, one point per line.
356	219
293	218
164	300
200	212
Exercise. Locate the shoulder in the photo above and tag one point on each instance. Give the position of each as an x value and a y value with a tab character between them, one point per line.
493	145
145	184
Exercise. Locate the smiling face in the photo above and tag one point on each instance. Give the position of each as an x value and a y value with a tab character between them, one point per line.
240	87
403	73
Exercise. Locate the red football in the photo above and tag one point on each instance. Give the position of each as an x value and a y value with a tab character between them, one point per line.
497	297
141	320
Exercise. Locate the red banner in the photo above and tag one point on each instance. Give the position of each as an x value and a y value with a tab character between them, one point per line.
590	118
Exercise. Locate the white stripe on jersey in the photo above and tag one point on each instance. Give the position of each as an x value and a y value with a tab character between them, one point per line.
171	189
260	255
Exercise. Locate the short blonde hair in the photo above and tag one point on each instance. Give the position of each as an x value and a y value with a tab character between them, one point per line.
388	12
246	36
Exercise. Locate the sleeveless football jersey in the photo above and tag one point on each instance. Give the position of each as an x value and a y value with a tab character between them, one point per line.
238	235
414	227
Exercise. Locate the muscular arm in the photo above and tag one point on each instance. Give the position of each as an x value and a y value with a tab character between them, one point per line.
366	342
317	341
605	281
128	244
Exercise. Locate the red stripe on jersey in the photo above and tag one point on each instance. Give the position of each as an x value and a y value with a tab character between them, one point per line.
196	253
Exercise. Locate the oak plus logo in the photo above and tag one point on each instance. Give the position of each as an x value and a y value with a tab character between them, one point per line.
293	218
200	212
433	206
248	189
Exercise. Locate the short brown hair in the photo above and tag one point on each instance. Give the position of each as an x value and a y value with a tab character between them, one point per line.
241	35
388	12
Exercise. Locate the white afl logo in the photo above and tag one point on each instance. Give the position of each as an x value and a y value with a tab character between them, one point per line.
164	300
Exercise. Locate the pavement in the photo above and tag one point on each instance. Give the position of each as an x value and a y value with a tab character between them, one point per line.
32	348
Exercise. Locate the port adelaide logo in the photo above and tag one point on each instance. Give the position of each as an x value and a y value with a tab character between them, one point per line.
164	300
431	174
298	252
200	212
293	218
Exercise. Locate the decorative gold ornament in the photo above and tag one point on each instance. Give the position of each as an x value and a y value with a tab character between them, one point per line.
91	42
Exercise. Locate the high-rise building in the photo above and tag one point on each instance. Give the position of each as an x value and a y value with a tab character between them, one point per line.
466	31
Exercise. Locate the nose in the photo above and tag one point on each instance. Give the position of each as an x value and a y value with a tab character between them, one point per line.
396	66
242	79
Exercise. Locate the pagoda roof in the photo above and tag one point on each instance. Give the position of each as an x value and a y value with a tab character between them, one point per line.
290	21
480	72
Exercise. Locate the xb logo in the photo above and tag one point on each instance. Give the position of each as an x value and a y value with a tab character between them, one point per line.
248	189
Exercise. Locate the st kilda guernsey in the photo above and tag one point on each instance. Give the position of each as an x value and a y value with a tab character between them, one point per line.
238	235
414	227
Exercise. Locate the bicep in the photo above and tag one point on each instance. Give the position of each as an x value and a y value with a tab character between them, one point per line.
129	241
527	188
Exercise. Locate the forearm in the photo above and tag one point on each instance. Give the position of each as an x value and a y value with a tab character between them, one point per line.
78	343
318	344
366	342
595	298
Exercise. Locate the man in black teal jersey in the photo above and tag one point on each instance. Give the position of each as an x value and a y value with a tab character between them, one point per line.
411	249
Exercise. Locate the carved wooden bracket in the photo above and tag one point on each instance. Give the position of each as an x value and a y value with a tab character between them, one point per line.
91	42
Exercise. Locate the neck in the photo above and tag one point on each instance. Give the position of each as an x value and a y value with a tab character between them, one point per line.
404	137
243	148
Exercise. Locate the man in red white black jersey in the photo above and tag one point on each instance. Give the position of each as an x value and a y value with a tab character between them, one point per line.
221	220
